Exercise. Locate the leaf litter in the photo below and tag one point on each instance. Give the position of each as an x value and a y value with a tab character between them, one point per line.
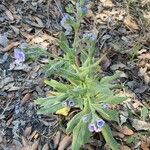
20	85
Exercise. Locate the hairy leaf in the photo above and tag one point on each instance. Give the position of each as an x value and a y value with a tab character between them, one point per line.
109	138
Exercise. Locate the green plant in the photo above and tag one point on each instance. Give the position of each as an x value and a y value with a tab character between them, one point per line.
82	86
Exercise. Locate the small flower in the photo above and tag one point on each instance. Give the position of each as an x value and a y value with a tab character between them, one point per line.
65	25
19	56
105	106
100	123
92	127
68	103
90	36
71	103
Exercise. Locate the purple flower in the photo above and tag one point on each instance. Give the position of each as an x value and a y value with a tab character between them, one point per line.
65	25
90	36
19	56
100	123
92	127
105	106
69	103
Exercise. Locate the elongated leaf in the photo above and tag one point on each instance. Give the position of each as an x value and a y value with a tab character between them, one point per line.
108	79
58	86
108	114
48	110
81	135
73	122
53	67
111	142
51	100
114	100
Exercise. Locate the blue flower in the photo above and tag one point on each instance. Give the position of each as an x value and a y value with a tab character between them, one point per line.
90	36
92	127
19	56
100	123
68	103
105	106
65	25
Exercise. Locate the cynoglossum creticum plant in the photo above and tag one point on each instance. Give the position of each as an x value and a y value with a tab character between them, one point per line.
83	87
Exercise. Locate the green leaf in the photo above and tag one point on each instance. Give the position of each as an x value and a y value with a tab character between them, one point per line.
144	113
111	142
73	122
106	80
51	109
58	86
108	114
53	67
81	135
51	100
114	100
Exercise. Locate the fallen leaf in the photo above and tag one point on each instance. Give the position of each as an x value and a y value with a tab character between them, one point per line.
27	131
24	141
9	15
126	131
57	139
64	111
145	145
124	147
10	46
66	141
130	23
25	98
35	145
140	125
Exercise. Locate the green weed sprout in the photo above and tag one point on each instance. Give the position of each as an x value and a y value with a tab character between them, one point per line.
83	87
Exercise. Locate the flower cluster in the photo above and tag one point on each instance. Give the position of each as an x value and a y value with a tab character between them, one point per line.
65	25
90	36
19	56
68	103
96	126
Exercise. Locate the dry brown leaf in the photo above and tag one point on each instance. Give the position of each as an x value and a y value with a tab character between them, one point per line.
57	139
66	141
124	147
9	15
27	131
28	147
118	134
126	131
145	145
24	141
10	46
130	23
107	3
25	98
144	2
35	145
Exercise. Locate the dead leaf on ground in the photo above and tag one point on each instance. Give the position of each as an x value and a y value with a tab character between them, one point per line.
144	2
140	125
9	15
130	23
10	46
126	131
145	145
107	3
27	131
124	147
25	98
57	139
35	145
66	141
